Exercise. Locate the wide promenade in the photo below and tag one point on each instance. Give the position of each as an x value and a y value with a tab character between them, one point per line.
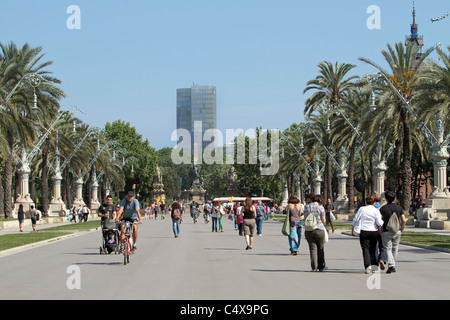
201	265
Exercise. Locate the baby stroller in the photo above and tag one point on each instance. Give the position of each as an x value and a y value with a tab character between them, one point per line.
110	234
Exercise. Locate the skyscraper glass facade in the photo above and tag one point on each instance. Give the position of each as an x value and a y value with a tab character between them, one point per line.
197	103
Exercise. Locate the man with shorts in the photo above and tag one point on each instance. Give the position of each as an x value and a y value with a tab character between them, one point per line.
129	211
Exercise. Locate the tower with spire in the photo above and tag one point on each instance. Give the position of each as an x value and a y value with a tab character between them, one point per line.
414	36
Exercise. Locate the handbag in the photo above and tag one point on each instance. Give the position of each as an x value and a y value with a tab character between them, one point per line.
286	230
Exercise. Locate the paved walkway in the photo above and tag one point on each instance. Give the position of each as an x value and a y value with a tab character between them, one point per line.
201	265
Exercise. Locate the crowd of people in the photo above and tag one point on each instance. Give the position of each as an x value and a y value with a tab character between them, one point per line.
372	223
378	227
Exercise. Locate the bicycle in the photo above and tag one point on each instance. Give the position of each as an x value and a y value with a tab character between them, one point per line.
128	241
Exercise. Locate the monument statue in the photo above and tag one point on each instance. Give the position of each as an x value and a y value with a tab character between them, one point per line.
157	194
233	184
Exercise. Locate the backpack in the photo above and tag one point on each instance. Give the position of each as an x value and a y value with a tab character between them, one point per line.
176	214
310	222
393	225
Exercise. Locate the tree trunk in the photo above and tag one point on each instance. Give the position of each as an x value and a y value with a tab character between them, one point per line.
406	168
33	186
351	181
329	180
44	178
325	181
2	203
363	179
8	177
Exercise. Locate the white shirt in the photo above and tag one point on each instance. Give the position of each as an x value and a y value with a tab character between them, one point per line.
369	217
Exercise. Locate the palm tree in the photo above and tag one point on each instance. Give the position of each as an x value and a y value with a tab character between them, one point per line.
16	121
403	77
351	136
330	86
292	164
434	94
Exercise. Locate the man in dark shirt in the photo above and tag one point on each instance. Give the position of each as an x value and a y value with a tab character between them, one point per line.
106	210
391	240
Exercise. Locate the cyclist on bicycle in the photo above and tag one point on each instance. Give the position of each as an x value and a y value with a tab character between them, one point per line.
129	211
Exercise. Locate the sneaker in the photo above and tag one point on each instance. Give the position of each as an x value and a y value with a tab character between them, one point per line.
368	270
391	270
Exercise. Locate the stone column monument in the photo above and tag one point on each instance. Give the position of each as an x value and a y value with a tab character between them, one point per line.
157	194
318	177
233	184
341	203
23	197
437	207
57	206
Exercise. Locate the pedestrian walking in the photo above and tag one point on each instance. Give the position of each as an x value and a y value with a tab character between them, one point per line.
215	212
370	222
219	218
314	220
34	215
260	213
240	218
295	212
329	210
85	213
80	213
391	239
206	212
73	214
177	217
20	217
381	254
156	210
249	213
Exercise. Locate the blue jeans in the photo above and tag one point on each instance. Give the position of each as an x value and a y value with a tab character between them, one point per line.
214	224
176	227
259	223
295	236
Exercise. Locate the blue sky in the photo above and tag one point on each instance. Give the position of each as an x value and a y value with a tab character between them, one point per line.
129	57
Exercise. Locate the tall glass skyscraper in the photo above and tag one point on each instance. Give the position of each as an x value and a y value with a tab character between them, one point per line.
194	105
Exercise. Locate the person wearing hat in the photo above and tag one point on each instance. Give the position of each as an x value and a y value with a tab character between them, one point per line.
129	211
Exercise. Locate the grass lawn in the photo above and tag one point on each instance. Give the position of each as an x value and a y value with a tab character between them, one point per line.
9	241
77	226
427	239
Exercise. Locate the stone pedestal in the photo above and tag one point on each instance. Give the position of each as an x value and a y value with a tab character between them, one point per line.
57	207
197	195
95	204
78	201
341	202
157	194
437	207
23	197
284	194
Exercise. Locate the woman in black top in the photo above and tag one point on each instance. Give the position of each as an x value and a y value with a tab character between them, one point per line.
21	216
249	213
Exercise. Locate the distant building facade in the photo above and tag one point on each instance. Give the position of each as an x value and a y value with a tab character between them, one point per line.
197	104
